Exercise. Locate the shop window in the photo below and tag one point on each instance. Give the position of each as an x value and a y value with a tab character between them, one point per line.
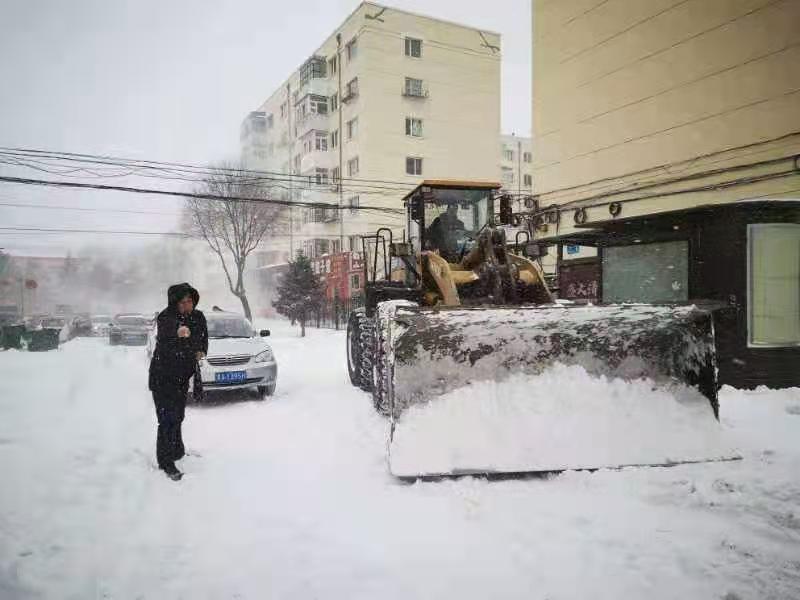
773	307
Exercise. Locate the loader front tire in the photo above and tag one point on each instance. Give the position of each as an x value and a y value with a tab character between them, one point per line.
360	340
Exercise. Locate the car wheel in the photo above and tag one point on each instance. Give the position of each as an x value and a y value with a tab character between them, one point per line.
265	390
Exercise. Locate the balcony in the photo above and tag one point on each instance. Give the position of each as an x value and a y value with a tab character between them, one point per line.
312	121
419	93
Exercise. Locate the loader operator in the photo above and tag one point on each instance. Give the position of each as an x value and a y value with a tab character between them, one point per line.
443	234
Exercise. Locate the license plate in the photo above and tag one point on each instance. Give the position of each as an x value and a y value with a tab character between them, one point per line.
230	377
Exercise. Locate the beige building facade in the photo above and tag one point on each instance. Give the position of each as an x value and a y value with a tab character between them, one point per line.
667	137
697	100
388	99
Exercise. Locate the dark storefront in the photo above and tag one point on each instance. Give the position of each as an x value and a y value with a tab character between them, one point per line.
743	258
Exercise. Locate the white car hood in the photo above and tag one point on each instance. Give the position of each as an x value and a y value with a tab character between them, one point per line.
228	346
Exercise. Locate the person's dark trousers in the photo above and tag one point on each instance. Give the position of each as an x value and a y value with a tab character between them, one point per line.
170	408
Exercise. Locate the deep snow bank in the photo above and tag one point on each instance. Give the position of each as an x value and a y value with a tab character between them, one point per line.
561	419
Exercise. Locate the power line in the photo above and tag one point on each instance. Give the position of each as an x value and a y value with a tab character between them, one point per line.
197	195
85	209
55	230
107	160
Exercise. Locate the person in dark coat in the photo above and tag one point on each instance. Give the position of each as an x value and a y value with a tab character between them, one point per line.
181	341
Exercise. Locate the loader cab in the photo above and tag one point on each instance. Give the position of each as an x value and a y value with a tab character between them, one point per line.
447	216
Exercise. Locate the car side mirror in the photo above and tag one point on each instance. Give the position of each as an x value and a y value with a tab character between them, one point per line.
264	333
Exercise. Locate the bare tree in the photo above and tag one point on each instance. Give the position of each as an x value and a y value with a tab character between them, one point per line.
232	227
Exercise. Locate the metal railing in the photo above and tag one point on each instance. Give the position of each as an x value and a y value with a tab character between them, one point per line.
333	314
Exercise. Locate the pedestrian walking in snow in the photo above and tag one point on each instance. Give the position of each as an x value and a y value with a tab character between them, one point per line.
181	341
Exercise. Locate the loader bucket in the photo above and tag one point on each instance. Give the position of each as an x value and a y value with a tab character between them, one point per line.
530	389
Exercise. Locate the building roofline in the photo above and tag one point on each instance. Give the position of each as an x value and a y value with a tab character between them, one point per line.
422	16
350	15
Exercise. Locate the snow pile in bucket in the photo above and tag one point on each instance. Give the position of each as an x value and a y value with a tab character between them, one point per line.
564	418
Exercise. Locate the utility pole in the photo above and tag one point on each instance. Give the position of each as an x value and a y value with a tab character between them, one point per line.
340	140
290	142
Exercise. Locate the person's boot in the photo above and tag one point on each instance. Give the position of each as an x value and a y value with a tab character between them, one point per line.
172	472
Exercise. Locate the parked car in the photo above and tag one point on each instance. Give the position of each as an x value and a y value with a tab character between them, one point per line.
101	324
238	357
128	329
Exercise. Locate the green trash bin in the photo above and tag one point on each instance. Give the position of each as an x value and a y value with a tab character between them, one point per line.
12	336
43	339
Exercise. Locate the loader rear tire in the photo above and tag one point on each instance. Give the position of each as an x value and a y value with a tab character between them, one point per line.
360	340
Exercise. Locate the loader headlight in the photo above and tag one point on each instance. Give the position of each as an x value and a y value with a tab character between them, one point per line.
264	356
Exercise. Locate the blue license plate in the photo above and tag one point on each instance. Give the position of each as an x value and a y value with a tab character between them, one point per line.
230	377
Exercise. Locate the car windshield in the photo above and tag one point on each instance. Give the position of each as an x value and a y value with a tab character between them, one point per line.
52	322
132	321
101	319
229	327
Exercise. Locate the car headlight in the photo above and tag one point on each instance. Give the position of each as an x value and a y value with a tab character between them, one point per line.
264	356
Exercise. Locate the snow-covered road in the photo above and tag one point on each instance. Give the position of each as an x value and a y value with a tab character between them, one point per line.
290	498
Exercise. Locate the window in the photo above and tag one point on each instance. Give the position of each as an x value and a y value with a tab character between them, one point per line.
297	159
313	68
413	166
508	155
354	203
321	141
413	47
414	87
650	273
352	128
334	102
355	281
335	139
318	104
333	65
413	127
355	243
335	175
283	110
321	176
351	90
773	273
528	180
526	157
352	167
351	49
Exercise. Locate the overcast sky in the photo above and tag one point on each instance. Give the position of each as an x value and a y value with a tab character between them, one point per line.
171	80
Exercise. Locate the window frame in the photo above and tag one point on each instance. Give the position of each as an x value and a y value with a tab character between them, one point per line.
751	227
350	171
352	129
416	160
410	90
410	127
351	49
527	180
408	42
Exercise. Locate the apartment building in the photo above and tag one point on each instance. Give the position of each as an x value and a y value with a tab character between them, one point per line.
388	99
516	162
667	137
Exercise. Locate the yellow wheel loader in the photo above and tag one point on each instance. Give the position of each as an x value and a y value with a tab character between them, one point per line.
448	309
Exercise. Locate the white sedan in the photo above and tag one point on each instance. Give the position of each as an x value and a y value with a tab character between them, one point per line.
238	357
